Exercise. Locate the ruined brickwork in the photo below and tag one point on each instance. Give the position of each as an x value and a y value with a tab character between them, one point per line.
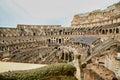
98	17
94	35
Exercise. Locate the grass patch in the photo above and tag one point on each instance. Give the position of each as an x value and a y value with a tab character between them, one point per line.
61	71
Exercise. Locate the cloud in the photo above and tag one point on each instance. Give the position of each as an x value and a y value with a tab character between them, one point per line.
47	11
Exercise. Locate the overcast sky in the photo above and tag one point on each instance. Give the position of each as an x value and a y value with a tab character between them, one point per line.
46	12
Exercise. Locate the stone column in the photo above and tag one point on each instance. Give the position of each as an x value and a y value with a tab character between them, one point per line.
77	64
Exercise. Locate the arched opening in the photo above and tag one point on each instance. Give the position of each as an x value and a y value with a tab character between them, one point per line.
65	33
66	56
4	35
60	41
110	31
20	34
106	31
3	41
60	32
52	33
103	31
62	56
114	78
113	30
68	33
49	41
70	57
88	32
34	34
17	47
97	32
100	31
117	30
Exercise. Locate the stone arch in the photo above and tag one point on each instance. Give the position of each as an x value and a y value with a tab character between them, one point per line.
97	32
60	32
113	31
89	29
17	47
100	31
66	58
51	32
103	31
70	57
68	33
62	57
88	32
59	41
4	35
106	31
34	34
114	78
71	33
117	30
3	41
65	33
49	41
110	30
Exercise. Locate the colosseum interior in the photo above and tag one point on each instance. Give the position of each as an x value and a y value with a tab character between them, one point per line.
94	36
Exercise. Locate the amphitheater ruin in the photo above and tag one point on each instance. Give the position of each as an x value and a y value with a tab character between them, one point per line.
94	36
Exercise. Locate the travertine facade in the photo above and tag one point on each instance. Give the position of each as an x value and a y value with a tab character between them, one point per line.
98	17
94	35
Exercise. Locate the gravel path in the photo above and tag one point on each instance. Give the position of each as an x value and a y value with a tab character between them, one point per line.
11	66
